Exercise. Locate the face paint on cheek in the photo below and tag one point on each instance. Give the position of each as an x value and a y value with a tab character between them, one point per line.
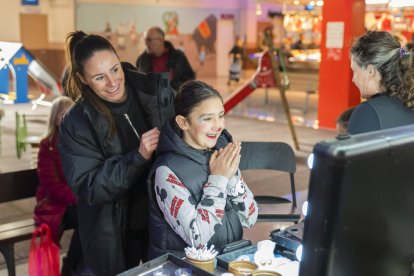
201	122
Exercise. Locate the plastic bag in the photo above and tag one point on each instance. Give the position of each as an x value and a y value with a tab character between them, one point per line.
44	253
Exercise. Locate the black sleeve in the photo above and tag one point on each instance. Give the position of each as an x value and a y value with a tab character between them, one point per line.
92	175
363	119
128	66
143	63
137	62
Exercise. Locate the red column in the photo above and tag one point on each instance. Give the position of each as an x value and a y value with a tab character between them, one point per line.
343	20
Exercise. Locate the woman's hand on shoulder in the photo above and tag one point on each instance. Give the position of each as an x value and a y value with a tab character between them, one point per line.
149	143
226	161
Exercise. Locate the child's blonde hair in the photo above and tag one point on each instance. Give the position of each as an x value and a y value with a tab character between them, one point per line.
62	102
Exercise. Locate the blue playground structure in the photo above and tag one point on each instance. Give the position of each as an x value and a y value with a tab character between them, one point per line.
17	60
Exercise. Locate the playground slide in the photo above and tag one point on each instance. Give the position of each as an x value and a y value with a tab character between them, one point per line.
14	57
263	77
46	81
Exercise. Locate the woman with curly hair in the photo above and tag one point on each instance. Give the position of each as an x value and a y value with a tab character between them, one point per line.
384	74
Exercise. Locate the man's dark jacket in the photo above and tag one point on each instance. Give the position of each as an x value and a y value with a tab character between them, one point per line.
177	64
101	175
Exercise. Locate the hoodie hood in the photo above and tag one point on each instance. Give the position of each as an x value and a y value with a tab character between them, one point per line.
171	142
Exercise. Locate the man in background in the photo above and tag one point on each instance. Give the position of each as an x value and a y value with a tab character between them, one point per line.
161	56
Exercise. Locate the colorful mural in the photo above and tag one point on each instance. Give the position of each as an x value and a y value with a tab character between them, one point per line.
170	20
199	47
193	31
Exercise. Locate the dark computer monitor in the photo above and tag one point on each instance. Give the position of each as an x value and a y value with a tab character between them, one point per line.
360	218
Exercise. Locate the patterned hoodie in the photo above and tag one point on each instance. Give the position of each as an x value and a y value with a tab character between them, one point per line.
199	207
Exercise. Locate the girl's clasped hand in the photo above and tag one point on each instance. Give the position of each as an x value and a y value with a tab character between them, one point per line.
226	161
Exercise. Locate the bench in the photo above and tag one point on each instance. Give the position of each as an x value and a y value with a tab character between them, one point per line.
15	186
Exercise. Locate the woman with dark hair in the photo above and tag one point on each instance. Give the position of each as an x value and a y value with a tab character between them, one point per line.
198	196
384	74
107	141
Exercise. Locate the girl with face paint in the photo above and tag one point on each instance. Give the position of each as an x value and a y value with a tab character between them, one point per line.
197	193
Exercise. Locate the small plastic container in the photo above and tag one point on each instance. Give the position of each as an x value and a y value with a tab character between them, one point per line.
183	272
161	272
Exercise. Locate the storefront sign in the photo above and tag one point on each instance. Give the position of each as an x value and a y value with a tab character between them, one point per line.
335	34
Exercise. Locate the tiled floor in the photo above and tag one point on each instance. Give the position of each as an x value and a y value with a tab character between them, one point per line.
271	127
